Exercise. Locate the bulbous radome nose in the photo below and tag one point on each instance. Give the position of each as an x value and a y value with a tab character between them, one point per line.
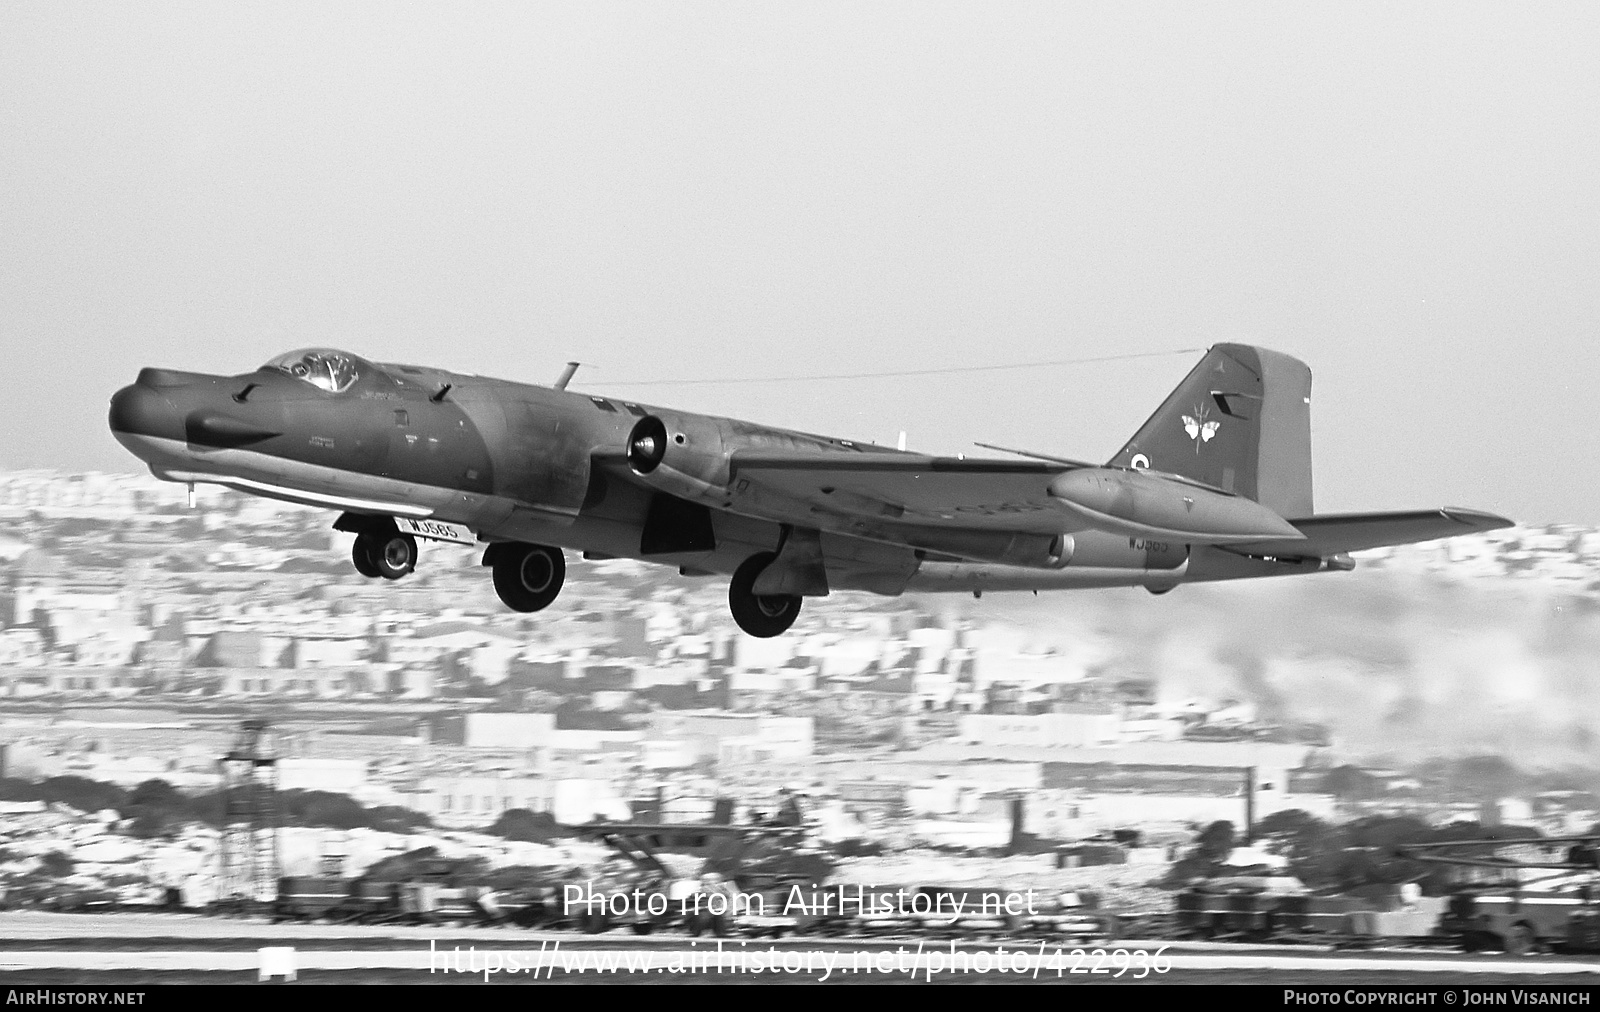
143	410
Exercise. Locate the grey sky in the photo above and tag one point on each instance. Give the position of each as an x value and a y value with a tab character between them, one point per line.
1407	196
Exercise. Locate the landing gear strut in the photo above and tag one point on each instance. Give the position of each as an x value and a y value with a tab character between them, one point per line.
760	615
527	577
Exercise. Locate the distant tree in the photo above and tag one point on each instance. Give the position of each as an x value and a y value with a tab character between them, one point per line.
1289	824
82	793
426	863
156	792
322	808
1216	841
15	789
1305	841
47	629
401	867
1351	783
525	825
395	819
151	825
1205	860
1488	777
156	809
55	864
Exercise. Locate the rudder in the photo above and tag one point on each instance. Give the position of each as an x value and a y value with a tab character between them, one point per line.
1240	421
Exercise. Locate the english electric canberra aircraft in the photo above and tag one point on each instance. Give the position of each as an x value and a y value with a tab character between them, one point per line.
1215	486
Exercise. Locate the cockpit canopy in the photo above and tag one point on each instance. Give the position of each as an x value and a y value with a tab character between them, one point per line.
327	368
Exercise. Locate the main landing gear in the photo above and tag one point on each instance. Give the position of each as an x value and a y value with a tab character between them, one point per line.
389	554
760	615
527	577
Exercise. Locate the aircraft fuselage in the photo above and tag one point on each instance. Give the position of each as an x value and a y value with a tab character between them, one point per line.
405	452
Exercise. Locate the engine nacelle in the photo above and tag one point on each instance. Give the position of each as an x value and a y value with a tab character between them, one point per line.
684	456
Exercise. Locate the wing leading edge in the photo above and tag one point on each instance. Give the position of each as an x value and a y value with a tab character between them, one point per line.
1336	533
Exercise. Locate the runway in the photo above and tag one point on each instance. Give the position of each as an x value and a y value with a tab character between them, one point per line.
154	948
728	956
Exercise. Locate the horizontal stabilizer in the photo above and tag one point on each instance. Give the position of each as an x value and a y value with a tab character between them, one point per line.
1356	532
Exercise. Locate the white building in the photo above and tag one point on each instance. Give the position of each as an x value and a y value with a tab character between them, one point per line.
1042	730
338	776
783	737
509	730
479	801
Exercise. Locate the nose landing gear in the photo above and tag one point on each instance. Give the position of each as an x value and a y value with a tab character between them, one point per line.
390	554
381	548
361	555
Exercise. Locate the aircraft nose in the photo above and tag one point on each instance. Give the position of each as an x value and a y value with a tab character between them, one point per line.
142	410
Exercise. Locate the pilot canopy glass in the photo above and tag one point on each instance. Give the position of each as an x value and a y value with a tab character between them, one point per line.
326	368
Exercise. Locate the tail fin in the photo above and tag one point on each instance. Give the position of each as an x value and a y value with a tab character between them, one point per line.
1241	421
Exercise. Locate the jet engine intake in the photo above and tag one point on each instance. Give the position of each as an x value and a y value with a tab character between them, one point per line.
681	456
647	445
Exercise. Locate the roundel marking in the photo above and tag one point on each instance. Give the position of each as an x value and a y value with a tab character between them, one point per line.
1140	461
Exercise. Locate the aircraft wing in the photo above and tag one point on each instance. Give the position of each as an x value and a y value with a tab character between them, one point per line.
967	492
1356	532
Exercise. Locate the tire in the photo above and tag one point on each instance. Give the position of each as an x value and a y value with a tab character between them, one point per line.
719	925
642	927
1111	928
394	555
361	555
1521	941
529	579
760	616
594	924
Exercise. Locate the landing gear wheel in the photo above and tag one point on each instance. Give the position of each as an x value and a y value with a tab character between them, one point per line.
528	577
1520	941
1111	928
392	555
762	616
361	555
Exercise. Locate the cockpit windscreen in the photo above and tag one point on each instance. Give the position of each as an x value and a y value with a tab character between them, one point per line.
331	370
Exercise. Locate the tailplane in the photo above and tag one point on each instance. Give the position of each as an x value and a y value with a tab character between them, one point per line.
1240	421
